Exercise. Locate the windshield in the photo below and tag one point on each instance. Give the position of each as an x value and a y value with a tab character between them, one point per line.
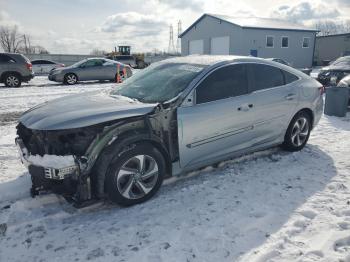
159	82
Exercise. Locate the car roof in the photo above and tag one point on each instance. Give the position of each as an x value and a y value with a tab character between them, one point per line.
209	60
212	61
43	60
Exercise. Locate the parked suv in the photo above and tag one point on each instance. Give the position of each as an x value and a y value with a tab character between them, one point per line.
173	117
15	69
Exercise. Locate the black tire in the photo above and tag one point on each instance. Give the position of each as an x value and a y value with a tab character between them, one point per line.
12	80
70	79
294	139
114	176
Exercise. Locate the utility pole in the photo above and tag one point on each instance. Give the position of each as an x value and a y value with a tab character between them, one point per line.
171	47
178	43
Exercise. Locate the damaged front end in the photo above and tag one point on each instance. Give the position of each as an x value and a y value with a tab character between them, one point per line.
55	159
62	161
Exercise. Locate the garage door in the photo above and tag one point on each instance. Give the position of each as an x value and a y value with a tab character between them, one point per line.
220	45
196	47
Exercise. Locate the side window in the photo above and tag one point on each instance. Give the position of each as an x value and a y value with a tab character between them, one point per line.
285	42
265	76
225	82
269	41
306	42
36	62
46	62
5	59
91	62
289	78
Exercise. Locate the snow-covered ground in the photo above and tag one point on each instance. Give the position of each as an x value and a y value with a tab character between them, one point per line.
267	206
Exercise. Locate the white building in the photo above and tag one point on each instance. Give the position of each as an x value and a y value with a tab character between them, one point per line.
261	37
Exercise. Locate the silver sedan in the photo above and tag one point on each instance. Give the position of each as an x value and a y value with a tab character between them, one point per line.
90	69
175	116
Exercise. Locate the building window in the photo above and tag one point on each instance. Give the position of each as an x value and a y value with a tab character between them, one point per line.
306	42
285	42
269	41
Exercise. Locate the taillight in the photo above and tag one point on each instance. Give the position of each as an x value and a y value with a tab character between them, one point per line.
322	90
29	66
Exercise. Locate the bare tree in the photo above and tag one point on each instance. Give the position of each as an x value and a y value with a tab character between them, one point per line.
35	49
328	27
98	52
10	39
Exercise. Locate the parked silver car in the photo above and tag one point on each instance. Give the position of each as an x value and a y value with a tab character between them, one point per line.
173	117
89	69
41	66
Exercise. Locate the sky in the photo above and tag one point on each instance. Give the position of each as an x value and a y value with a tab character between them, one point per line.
79	26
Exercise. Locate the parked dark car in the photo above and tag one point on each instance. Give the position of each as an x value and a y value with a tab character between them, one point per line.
15	69
284	62
89	69
175	116
337	70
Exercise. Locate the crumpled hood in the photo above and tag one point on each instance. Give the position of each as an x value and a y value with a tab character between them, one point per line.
82	110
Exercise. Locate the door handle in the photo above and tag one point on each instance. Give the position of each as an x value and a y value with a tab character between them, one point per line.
290	96
245	107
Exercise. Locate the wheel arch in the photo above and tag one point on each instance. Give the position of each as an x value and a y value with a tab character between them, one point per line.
124	142
4	74
309	112
68	73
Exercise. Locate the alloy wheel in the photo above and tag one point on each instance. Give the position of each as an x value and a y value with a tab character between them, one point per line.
300	131
12	81
137	176
71	79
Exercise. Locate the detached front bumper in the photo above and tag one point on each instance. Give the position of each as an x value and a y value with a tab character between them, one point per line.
43	170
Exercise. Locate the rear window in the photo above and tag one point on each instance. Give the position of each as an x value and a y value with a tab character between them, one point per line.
25	58
289	78
265	76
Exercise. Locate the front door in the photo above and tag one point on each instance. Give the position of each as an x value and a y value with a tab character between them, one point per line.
90	70
220	120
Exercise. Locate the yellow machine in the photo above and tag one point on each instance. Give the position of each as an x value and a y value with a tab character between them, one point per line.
124	56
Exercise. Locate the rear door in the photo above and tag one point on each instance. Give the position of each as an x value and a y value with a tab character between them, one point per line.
275	99
220	120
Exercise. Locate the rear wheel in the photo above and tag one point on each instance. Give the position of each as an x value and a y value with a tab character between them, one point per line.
298	132
70	79
12	80
135	175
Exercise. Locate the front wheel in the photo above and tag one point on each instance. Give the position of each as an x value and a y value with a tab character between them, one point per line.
70	79
135	175
298	132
